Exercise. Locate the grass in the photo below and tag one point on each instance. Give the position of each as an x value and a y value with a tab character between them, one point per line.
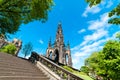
80	74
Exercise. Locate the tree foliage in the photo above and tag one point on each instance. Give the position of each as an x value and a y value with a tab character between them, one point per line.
93	2
84	69
27	48
118	35
15	12
106	63
10	49
111	60
90	63
115	12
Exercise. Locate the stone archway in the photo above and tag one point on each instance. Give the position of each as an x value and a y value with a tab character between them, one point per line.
50	55
56	56
66	58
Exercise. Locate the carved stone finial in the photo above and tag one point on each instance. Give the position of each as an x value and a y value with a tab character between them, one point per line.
49	44
68	45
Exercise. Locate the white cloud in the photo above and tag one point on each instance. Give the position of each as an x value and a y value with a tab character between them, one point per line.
99	27
93	10
92	42
114	36
98	8
96	35
81	31
100	34
89	39
41	41
99	23
80	54
109	4
99	30
84	51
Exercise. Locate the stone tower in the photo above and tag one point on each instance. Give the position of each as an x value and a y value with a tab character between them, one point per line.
58	51
18	44
2	41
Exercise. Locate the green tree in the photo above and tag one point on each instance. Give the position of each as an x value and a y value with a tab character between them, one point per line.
27	48
118	35
84	69
115	12
92	64
10	49
111	60
15	12
105	63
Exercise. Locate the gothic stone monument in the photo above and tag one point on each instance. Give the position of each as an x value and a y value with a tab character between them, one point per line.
58	51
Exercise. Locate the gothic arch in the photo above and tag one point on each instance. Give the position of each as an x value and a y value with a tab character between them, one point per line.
49	53
66	58
60	52
56	55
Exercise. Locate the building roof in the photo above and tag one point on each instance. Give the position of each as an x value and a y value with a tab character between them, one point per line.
14	68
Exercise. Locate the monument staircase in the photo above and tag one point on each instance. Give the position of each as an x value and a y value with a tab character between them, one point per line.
41	68
14	68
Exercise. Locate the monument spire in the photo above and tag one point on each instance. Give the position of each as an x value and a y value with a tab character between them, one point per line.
59	28
59	35
49	43
68	45
58	51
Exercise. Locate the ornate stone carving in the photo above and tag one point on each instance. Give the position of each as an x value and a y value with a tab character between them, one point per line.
58	51
18	44
2	41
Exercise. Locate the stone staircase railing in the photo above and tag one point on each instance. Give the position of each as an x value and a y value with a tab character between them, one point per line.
64	74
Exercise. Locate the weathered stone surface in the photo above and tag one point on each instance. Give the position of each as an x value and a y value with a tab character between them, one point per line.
58	51
16	42
14	68
2	42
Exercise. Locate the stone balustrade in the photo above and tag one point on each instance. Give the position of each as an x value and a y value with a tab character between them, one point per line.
64	74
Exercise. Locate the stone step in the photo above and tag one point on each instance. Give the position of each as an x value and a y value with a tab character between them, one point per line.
14	68
19	64
18	70
17	67
29	67
12	61
12	58
20	73
23	78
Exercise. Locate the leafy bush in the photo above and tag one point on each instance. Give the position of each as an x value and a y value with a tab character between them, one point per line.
10	49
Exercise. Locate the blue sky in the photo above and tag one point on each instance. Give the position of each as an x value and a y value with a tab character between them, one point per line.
85	28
